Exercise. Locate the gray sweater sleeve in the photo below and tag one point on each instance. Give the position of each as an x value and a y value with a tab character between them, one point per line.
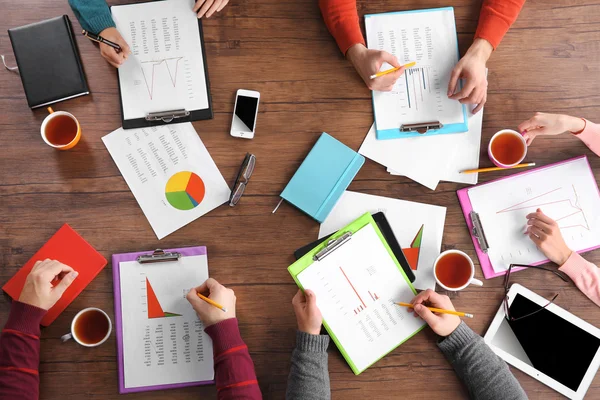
309	374
485	375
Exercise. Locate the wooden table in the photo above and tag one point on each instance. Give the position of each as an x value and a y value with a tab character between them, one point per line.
549	61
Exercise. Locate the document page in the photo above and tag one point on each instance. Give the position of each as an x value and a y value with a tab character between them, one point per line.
163	340
420	95
170	172
356	287
165	70
566	192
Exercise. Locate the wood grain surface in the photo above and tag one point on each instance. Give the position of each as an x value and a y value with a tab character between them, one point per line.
549	61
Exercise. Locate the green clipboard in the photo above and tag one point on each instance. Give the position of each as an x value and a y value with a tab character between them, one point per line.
296	268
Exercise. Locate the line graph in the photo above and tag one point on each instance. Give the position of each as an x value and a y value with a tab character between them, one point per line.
360	307
545	200
171	71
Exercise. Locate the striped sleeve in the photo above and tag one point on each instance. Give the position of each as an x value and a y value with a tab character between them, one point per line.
20	352
234	370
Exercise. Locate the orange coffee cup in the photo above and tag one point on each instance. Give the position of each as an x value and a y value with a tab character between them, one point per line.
60	130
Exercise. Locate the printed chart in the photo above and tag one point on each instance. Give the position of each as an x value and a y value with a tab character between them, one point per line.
412	253
567	210
185	190
162	71
566	192
356	287
419	89
154	308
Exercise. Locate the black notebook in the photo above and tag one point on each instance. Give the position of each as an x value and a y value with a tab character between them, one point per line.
48	60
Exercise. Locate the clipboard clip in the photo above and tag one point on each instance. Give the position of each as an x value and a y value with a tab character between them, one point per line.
167	116
478	231
421	128
332	245
158	256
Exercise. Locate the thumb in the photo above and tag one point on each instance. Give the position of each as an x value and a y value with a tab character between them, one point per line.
311	301
65	283
390	59
424	313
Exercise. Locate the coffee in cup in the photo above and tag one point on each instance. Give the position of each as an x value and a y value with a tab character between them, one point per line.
90	328
454	270
507	148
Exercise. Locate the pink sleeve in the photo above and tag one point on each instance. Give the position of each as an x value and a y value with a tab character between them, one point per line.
585	275
591	136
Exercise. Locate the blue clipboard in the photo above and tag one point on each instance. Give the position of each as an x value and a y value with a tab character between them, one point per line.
395	133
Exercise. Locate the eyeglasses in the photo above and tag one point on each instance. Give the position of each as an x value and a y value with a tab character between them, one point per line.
242	179
512	318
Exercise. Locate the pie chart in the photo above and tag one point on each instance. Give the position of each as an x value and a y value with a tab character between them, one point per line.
185	190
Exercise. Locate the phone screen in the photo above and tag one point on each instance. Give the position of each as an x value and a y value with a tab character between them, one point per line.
245	113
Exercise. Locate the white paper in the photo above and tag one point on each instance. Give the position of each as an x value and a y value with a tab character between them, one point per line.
406	219
429	38
149	157
465	155
566	193
163	350
165	70
356	287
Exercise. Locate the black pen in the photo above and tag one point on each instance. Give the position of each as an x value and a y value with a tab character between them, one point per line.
100	39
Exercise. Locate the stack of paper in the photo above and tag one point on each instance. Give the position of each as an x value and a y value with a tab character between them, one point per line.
418	227
428	160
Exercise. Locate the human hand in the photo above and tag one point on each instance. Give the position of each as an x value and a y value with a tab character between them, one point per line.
307	313
209	7
471	68
549	124
38	290
545	233
368	62
209	314
110	54
442	324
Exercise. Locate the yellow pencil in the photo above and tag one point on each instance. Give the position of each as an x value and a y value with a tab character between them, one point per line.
212	303
473	171
389	71
439	310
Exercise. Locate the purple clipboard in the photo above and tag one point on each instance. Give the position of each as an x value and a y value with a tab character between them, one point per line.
465	204
116	260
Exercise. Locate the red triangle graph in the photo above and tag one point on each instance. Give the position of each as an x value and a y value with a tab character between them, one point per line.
412	253
154	308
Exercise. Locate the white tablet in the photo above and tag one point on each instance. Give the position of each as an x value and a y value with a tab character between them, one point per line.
552	345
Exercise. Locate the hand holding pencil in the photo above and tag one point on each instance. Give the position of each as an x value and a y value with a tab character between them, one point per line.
442	324
217	306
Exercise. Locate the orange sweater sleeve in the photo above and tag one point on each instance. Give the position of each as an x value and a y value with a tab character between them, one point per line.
341	18
496	18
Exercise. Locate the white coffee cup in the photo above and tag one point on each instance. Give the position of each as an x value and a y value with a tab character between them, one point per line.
471	281
73	334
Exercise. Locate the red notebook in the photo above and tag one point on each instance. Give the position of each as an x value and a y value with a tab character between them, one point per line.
69	248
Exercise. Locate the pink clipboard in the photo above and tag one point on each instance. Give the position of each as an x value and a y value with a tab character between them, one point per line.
465	204
116	260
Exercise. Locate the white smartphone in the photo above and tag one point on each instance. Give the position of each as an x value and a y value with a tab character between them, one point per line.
244	114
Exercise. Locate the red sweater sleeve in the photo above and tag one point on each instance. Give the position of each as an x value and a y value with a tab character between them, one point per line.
234	370
496	18
341	19
20	353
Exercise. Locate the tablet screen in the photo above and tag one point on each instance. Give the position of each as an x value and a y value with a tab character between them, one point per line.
554	346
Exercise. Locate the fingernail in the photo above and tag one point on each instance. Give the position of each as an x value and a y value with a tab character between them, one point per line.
74	274
418	307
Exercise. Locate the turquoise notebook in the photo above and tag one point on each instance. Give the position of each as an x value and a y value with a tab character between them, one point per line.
323	176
